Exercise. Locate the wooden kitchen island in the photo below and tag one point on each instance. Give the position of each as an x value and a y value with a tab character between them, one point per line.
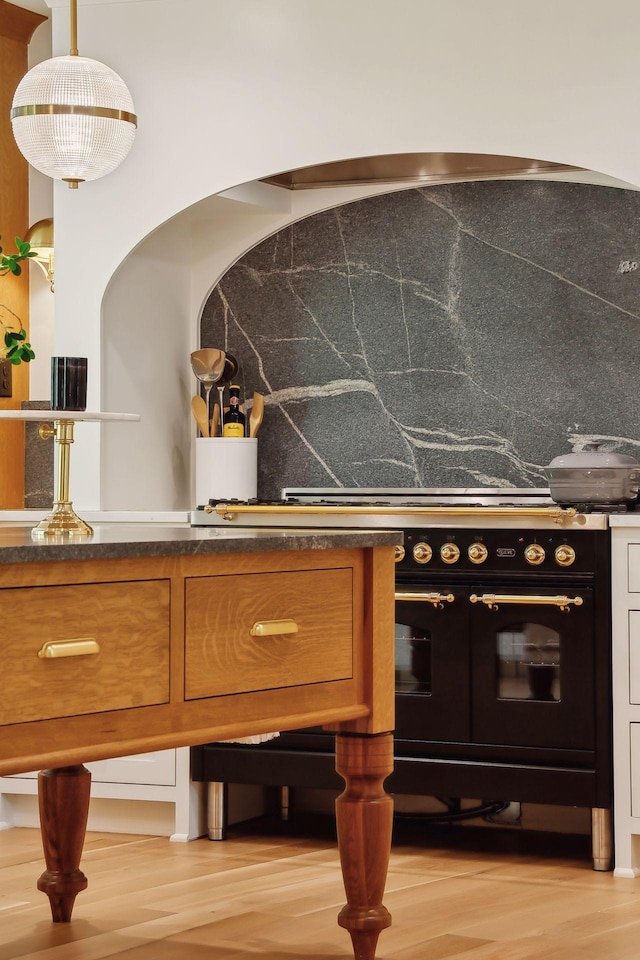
151	636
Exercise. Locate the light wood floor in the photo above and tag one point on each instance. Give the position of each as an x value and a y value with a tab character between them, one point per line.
266	896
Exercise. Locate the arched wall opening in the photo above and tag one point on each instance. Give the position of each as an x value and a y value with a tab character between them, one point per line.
170	276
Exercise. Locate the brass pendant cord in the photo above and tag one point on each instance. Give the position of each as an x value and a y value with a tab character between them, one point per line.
73	28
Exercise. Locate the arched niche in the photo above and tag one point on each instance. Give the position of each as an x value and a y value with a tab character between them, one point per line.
158	295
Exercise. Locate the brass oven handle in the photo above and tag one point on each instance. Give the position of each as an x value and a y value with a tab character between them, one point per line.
493	599
82	647
271	628
437	599
230	511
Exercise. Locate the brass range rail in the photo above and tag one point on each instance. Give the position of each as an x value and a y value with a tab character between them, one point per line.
229	511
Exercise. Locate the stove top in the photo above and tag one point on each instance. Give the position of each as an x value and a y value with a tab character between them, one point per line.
478	508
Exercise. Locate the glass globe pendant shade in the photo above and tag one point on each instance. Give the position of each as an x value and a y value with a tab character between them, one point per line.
73	119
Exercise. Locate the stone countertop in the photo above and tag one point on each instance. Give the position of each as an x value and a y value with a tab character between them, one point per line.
114	540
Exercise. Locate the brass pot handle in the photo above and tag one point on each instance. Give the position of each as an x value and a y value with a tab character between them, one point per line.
271	628
491	600
437	599
82	647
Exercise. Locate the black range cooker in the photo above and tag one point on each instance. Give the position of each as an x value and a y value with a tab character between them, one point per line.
503	678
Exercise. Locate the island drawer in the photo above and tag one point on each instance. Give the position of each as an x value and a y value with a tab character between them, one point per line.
84	648
267	630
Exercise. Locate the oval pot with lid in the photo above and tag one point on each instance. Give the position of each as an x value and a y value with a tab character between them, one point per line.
593	476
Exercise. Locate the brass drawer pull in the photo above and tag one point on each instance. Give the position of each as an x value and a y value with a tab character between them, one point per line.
493	599
82	647
269	628
437	599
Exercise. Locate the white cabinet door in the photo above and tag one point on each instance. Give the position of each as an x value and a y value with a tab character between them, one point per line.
157	768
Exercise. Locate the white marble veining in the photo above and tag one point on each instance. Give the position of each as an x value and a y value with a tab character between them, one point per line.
443	336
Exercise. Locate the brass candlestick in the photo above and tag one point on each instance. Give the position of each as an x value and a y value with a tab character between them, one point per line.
63	521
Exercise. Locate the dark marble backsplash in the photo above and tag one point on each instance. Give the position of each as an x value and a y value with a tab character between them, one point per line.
457	336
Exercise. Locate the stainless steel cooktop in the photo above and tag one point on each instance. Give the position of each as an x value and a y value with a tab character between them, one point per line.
483	507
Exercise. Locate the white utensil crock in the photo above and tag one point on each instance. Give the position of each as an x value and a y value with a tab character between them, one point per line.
226	468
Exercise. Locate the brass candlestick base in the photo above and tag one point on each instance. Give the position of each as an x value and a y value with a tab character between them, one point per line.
63	521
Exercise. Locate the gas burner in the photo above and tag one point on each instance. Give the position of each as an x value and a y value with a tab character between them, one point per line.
626	507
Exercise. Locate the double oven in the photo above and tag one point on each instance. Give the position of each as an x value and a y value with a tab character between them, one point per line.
503	678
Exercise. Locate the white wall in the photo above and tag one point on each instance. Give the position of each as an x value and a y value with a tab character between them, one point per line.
228	91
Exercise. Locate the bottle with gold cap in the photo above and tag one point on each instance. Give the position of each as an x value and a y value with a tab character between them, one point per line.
234	418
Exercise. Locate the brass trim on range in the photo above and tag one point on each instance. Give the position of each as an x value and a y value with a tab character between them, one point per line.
437	599
230	511
272	628
37	109
55	649
491	600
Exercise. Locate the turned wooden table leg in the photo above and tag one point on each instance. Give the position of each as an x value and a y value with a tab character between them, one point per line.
63	796
364	817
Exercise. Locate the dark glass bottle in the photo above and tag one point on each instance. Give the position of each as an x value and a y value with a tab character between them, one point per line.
234	418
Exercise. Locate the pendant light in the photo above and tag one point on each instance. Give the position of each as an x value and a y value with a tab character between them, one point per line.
73	118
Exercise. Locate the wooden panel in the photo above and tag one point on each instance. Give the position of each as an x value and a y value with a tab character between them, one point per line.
16	23
131	625
17	27
375	645
221	655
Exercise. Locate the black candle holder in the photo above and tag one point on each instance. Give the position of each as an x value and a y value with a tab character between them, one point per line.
68	383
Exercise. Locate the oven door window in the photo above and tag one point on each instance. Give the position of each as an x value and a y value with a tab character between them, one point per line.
528	662
413	659
533	667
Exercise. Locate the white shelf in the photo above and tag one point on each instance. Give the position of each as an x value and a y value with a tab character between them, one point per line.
63	521
43	416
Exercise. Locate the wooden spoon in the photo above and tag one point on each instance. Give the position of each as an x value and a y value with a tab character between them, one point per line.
257	412
199	409
215	420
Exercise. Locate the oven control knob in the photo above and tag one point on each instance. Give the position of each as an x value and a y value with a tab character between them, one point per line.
422	553
477	553
449	552
565	555
534	554
399	552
